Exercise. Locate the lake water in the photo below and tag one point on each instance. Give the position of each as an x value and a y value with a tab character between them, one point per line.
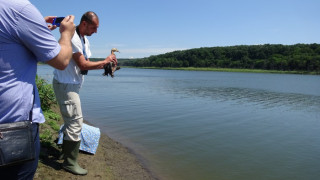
193	125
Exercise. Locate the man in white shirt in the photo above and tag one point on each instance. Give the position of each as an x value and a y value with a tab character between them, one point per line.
67	83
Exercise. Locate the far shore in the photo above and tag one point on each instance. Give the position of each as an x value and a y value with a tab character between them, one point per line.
230	70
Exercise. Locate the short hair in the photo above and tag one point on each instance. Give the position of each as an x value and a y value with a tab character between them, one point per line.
88	16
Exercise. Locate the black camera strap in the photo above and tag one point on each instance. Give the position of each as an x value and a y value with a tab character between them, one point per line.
30	114
83	72
78	32
84	42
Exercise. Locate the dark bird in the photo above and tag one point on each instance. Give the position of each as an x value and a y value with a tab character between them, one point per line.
111	67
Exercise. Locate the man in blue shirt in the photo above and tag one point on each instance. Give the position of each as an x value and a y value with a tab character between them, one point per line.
26	39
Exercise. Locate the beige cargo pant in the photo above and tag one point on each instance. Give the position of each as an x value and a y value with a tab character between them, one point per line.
70	106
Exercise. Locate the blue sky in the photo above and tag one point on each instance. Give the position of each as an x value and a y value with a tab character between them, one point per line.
140	28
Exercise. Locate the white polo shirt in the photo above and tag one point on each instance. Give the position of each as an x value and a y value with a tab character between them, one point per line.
72	75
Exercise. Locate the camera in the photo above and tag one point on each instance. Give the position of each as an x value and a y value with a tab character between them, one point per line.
84	72
56	21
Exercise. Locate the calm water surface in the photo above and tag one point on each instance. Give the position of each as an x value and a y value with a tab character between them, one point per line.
188	125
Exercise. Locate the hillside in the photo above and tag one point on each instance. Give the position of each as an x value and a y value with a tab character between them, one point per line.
298	57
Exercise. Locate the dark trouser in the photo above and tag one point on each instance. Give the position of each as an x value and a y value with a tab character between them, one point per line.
26	170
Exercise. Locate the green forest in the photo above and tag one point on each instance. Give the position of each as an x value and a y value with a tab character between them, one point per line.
298	57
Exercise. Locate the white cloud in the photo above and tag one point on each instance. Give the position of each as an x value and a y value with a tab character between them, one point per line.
150	50
133	52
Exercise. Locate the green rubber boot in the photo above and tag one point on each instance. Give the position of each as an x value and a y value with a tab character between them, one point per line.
71	151
61	156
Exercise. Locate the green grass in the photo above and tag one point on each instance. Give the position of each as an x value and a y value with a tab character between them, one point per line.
51	115
233	70
46	138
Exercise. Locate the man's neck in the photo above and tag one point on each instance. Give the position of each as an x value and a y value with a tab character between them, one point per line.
79	32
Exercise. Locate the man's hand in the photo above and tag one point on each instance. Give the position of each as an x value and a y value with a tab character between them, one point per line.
67	26
49	19
111	58
67	29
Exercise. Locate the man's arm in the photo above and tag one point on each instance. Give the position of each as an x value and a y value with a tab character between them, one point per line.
67	29
83	64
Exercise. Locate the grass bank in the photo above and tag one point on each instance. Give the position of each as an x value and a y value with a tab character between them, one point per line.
231	70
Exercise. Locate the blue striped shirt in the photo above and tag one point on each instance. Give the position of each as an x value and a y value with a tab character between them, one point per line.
24	40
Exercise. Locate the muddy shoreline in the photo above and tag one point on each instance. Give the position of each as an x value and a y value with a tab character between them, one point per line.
112	161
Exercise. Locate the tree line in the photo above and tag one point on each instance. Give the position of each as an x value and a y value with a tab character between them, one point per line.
298	57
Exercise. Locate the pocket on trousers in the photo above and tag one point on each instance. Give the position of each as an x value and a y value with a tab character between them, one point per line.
68	109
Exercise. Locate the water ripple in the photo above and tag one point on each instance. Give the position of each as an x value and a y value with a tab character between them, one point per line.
263	98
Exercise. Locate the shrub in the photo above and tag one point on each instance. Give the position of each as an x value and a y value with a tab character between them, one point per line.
51	115
54	125
46	138
47	96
